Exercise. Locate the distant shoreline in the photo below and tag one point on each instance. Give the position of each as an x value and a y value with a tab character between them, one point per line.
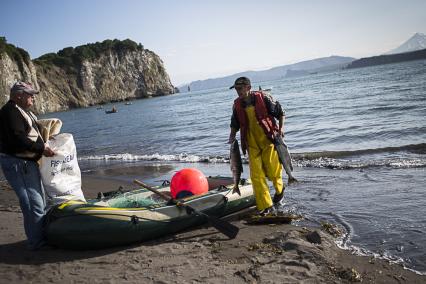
388	59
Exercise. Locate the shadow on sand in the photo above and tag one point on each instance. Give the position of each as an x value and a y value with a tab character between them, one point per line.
17	253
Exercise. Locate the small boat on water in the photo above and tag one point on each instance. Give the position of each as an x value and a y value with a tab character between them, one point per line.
123	218
268	90
113	110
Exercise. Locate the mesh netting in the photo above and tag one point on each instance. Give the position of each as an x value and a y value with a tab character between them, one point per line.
132	200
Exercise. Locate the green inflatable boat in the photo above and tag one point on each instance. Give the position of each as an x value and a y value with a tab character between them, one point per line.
129	217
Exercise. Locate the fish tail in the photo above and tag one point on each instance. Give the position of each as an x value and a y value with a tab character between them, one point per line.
236	189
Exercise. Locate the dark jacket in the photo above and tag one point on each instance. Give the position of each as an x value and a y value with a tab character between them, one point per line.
14	130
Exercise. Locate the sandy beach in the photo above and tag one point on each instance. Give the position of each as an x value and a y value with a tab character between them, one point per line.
274	253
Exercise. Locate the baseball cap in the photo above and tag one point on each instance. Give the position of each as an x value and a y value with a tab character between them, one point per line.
23	87
241	81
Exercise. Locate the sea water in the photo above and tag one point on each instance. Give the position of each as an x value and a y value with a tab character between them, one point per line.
358	140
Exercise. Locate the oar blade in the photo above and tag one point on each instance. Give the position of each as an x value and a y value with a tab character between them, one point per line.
226	228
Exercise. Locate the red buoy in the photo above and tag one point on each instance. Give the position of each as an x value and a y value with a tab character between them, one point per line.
187	182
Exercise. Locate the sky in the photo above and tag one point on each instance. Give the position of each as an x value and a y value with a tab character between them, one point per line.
213	38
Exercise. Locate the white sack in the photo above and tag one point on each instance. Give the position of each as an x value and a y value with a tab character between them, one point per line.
61	174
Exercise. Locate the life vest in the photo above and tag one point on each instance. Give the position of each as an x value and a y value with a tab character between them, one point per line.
265	120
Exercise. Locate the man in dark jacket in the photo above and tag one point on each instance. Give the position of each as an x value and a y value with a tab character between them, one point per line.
21	146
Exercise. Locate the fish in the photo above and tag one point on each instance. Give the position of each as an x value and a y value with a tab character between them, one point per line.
284	157
236	165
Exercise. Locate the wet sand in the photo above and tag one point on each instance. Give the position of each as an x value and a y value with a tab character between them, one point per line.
276	253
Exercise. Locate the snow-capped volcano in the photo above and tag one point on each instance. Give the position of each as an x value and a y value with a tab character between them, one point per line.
416	42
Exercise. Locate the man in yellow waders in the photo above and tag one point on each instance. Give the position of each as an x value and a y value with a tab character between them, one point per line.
254	114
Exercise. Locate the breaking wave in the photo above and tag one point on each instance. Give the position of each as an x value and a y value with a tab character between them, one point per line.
409	156
188	158
362	164
413	148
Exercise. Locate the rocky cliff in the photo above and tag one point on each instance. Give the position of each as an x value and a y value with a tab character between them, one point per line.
86	75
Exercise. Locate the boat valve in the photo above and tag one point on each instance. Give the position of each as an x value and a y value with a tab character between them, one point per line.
134	219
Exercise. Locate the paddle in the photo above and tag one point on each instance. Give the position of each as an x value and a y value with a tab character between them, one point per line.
222	226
